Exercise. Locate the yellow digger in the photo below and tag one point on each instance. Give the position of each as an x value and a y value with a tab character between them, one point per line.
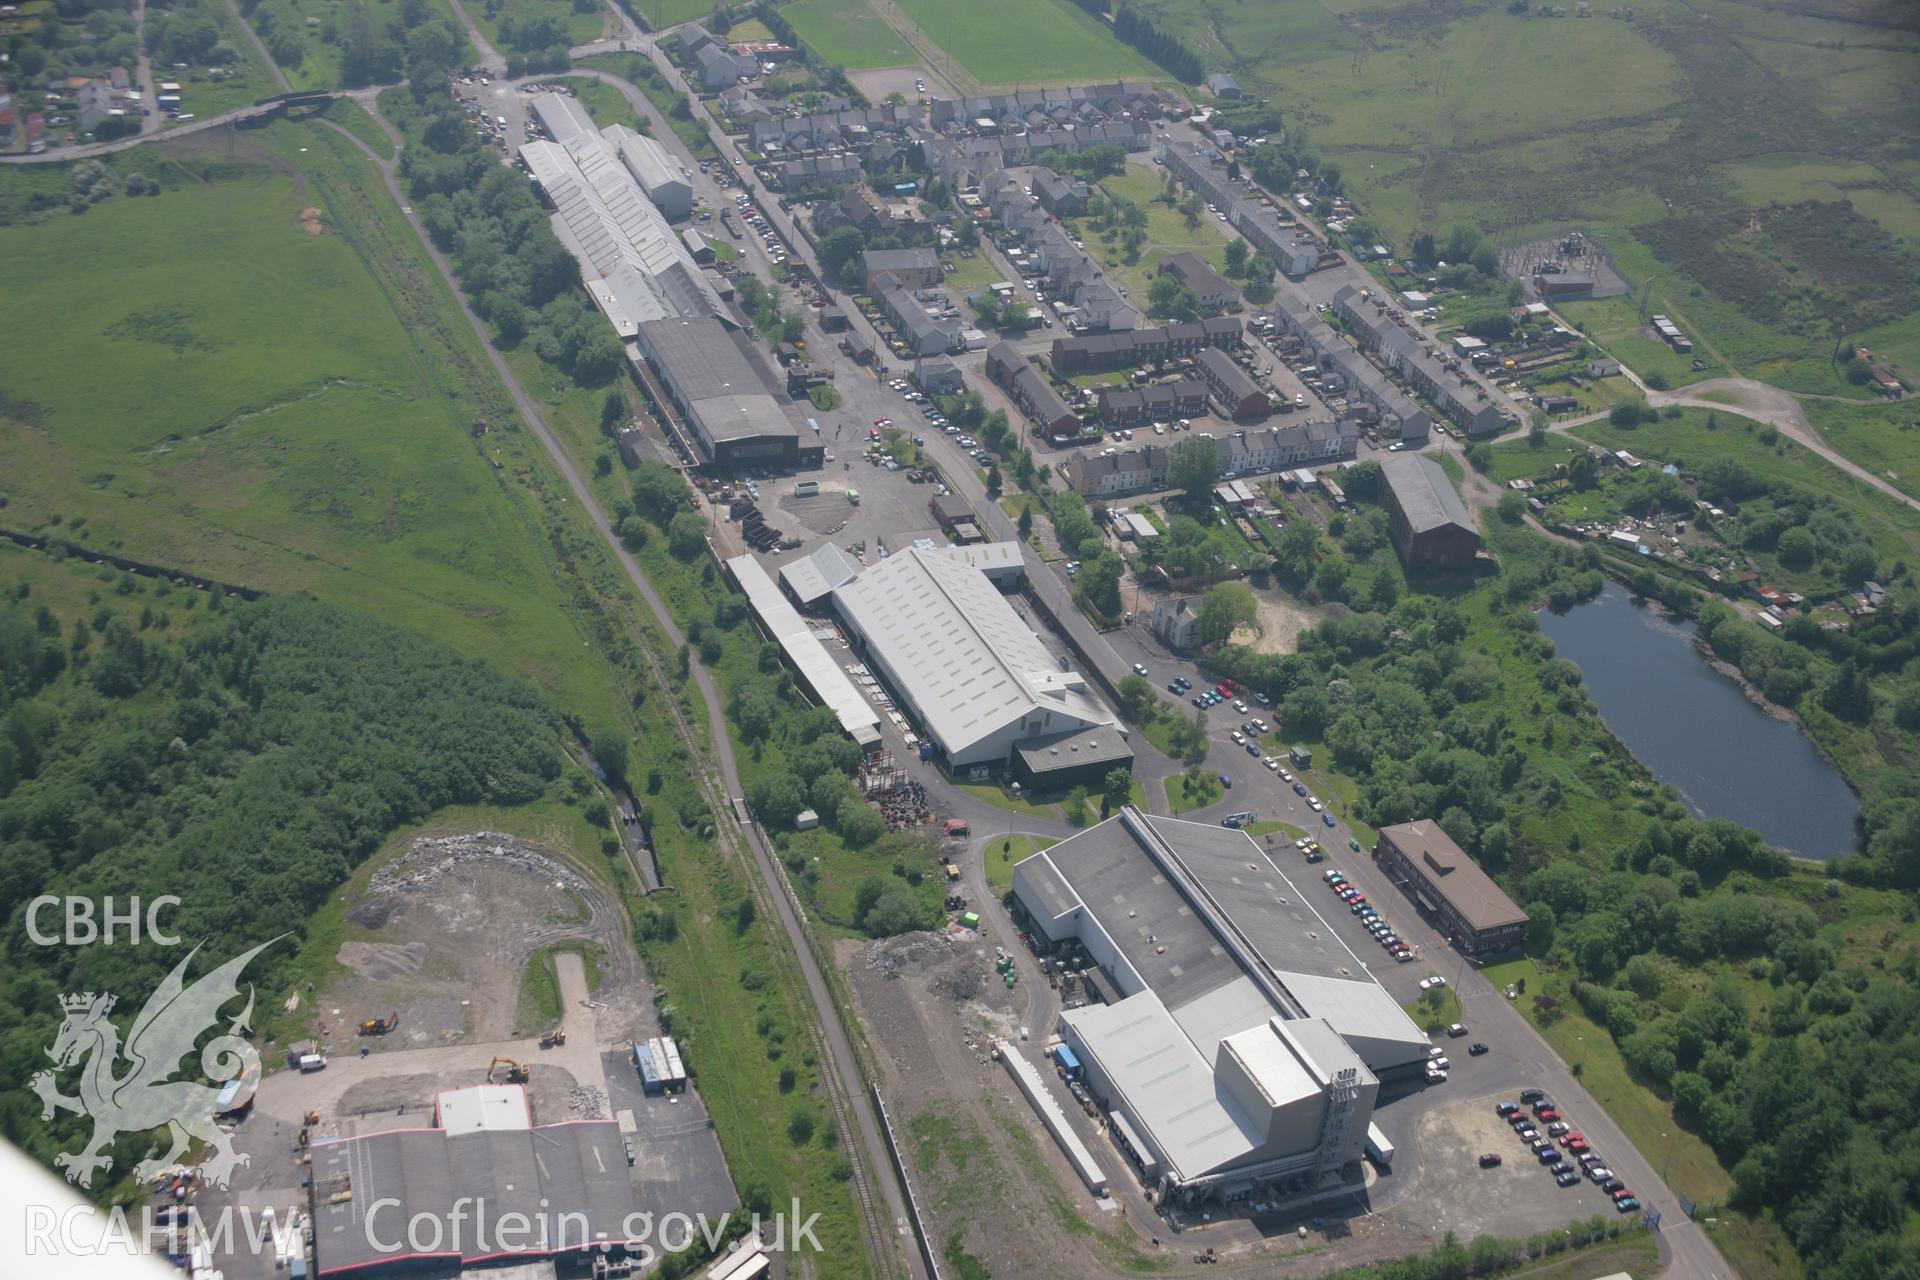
516	1072
554	1036
380	1026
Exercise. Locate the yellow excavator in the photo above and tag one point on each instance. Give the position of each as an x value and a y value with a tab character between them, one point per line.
380	1026
516	1072
554	1036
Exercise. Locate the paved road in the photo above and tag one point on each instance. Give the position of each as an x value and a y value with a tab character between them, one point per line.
259	47
872	1150
150	121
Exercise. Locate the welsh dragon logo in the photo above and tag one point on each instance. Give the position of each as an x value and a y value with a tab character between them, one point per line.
147	1096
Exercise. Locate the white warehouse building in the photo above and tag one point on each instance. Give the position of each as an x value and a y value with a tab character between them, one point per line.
634	263
1244	1044
651	164
959	659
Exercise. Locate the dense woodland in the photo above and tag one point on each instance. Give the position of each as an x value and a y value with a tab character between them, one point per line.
243	757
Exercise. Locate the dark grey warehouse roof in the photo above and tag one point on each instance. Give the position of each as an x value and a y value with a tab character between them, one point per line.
1424	493
578	1168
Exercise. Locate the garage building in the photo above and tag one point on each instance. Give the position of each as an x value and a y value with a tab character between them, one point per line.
1245	1044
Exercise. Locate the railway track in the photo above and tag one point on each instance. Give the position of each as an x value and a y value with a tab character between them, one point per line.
727	833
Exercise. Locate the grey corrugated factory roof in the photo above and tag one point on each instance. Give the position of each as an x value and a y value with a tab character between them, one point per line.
573	1168
1424	494
712	375
968	662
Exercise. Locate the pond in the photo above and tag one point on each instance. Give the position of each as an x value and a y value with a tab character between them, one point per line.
1696	729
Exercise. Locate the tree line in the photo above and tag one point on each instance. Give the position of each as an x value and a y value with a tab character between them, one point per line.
484	215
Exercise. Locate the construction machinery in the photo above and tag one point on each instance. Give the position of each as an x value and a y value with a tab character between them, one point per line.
516	1072
554	1036
380	1026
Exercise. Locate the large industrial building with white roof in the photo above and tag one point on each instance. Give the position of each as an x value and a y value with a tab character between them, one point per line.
960	660
931	623
614	194
1242	1045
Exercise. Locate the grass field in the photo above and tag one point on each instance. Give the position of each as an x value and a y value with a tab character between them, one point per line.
290	411
579	27
661	14
1884	438
1522	123
1028	42
607	105
1167	233
848	32
972	273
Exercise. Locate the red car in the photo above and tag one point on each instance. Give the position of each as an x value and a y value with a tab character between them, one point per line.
1549	1116
1491	1160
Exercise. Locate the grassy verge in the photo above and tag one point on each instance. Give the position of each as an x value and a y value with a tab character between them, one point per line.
1004	854
1000	798
1589	1052
1436	1009
1184	794
639	70
352	117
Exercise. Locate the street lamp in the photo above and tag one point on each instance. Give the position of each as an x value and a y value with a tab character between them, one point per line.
1667	1160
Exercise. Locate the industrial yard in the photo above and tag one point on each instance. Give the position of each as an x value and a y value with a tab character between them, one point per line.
441	936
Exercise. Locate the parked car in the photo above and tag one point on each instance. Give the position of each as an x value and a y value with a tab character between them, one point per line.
1475	1049
1626	1204
1491	1160
1504	1109
1568	1179
1532	1095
